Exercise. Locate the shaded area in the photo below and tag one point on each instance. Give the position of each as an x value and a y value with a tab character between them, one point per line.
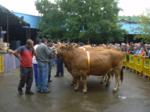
133	96
12	24
31	19
17	30
13	20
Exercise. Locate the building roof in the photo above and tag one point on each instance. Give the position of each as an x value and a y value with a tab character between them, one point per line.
129	19
32	20
130	24
131	28
7	17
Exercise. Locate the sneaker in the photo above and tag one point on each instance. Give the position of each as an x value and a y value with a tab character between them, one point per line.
46	92
49	81
38	90
29	93
56	76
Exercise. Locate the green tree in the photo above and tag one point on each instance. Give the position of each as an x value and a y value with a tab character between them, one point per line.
84	20
51	24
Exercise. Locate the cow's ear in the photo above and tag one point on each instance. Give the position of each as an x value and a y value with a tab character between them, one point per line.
63	46
76	45
58	43
69	44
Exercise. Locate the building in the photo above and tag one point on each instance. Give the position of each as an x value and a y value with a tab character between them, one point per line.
18	27
132	26
33	21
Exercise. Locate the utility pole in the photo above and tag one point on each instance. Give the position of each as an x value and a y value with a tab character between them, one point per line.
7	27
1	35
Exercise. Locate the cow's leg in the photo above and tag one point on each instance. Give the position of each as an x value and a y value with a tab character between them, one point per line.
102	79
73	82
117	79
105	79
84	84
77	82
107	83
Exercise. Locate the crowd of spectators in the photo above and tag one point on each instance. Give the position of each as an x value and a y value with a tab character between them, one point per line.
136	49
139	49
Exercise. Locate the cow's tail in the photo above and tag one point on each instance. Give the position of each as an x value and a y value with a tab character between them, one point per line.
121	74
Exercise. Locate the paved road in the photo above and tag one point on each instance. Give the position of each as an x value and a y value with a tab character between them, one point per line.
134	96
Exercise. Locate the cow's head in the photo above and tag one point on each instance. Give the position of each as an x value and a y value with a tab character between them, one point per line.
64	48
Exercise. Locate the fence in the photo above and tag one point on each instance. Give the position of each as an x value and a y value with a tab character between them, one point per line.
8	63
139	64
1	64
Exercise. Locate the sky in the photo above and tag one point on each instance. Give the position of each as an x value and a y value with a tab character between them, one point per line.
129	7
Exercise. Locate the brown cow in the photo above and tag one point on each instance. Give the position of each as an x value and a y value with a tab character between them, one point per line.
106	77
82	63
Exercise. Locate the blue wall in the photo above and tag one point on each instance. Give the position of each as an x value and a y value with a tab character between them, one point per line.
32	20
131	28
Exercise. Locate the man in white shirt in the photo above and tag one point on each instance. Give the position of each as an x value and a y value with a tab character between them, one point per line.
34	62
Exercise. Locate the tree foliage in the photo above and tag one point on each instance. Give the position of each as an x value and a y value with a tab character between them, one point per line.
51	24
84	20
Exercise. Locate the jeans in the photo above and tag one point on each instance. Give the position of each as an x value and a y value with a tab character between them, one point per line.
60	67
35	70
26	77
42	79
49	71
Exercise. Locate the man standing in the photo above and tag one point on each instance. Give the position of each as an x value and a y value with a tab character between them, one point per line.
25	54
59	67
52	49
43	55
34	61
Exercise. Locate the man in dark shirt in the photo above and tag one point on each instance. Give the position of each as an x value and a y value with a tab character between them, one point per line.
59	68
25	54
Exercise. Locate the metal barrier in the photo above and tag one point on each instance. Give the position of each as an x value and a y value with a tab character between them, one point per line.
138	63
131	62
8	63
1	63
146	67
125	60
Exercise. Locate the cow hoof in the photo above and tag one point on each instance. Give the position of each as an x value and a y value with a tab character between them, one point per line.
76	89
107	85
101	82
115	90
72	84
84	91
